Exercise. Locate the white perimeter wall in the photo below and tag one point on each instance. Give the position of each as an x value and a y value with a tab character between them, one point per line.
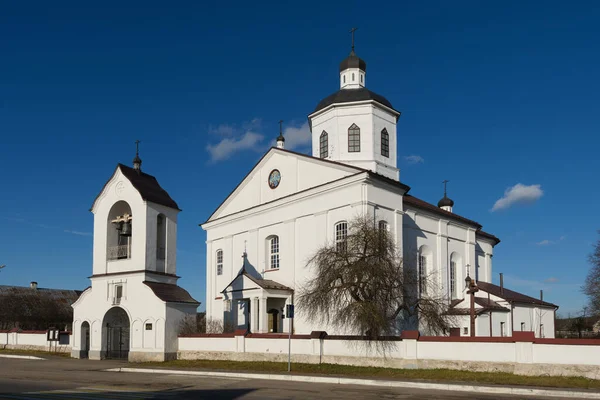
34	341
582	358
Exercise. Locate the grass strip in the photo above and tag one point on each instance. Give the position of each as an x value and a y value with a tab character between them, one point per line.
437	375
35	353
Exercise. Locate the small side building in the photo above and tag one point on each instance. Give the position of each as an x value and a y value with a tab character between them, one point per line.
134	307
501	312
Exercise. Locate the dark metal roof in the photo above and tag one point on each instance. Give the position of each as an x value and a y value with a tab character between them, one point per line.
170	293
267	283
147	186
413	201
36	308
485	304
353	61
489	304
487	236
510	295
445	202
351	95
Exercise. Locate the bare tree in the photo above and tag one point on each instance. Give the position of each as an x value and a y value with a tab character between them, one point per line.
360	285
591	286
193	324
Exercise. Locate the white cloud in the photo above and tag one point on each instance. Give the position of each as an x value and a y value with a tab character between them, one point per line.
547	242
518	194
78	233
297	136
414	159
228	146
222	130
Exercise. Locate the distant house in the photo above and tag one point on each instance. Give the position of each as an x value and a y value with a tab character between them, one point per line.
34	308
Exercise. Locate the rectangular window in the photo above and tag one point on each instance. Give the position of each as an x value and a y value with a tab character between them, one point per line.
274	248
541	330
148	327
453	279
118	294
341	233
522	326
220	262
465	330
422	274
502	329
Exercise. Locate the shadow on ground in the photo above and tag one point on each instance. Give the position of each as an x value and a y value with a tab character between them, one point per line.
222	394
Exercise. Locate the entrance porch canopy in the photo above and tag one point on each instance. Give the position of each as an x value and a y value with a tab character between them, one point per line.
261	297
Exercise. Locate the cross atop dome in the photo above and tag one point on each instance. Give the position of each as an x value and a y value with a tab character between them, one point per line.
352	69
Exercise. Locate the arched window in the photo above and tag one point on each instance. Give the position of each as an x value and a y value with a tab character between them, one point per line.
353	139
423	264
353	77
455	264
383	225
323	144
161	237
219	262
119	232
385	143
341	234
273	243
344	78
361	78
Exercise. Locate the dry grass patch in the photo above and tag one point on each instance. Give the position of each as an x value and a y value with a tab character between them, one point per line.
35	353
444	375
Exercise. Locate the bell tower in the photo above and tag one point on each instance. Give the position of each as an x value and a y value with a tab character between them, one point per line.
355	125
135	225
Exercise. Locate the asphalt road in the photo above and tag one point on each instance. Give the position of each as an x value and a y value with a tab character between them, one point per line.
84	379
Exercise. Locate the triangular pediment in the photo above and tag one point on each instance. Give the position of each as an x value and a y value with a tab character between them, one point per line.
297	172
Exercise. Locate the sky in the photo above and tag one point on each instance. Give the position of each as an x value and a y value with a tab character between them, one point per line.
500	98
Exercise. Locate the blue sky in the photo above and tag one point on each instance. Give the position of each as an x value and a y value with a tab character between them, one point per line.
491	95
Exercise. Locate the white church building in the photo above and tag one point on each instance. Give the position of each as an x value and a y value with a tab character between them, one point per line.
134	307
261	236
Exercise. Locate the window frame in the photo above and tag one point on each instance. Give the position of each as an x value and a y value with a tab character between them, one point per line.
354	139
340	231
453	270
385	143
219	261
324	145
274	247
422	271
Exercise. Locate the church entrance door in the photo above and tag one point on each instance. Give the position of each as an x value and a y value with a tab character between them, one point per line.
273	320
116	334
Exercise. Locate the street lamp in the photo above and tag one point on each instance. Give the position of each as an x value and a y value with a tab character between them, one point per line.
471	285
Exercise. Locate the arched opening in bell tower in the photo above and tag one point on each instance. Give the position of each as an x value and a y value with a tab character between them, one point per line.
119	232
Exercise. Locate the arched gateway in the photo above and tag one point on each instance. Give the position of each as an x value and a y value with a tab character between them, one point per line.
116	334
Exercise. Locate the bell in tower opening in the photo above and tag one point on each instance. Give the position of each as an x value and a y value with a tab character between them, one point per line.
123	225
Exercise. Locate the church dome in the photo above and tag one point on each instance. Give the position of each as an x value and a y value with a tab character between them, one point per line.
351	95
353	61
445	202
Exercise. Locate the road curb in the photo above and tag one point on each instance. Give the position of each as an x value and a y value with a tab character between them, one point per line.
376	382
21	357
